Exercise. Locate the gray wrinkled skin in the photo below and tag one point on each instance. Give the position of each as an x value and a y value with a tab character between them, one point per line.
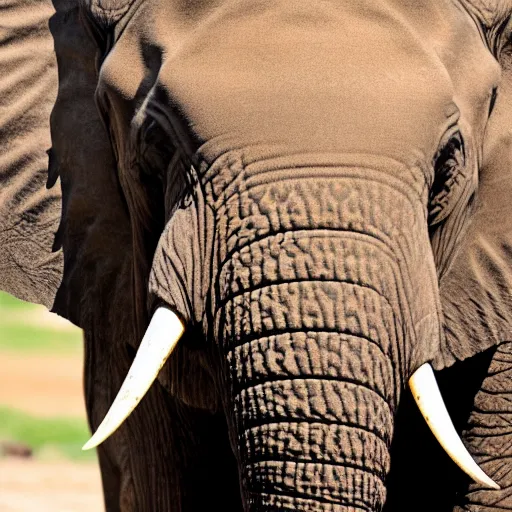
321	190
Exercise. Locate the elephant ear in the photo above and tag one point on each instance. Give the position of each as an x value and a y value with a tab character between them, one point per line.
476	293
95	231
29	213
49	60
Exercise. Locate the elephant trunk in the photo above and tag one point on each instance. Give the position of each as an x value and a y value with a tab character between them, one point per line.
313	380
314	313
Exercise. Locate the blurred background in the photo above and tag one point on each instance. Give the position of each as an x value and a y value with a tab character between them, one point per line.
42	414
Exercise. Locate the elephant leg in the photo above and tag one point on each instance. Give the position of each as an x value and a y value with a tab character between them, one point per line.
136	464
489	436
101	377
420	467
111	481
208	468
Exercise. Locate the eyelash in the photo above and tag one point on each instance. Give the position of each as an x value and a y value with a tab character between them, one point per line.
448	162
494	96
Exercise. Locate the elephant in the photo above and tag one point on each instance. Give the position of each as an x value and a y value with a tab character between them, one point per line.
277	223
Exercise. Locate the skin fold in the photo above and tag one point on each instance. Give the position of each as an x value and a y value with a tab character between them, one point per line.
319	190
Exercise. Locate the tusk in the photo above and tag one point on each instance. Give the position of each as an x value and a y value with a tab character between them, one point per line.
162	336
426	392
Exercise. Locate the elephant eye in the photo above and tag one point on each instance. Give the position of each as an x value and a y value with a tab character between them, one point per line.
449	168
494	95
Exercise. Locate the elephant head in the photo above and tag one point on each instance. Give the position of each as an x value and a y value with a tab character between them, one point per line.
314	195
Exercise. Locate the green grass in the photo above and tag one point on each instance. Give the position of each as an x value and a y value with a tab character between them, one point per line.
48	437
9	302
34	339
20	331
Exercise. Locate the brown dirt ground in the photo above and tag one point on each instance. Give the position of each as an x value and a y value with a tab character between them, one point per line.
43	385
30	485
38	316
46	385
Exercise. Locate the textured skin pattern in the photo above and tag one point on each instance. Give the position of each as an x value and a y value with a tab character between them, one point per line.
489	435
108	12
280	321
309	308
482	267
29	214
303	270
270	288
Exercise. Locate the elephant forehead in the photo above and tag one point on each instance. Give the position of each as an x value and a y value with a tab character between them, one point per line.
332	75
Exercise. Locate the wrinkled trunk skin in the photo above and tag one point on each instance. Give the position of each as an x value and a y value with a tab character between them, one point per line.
313	407
310	314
